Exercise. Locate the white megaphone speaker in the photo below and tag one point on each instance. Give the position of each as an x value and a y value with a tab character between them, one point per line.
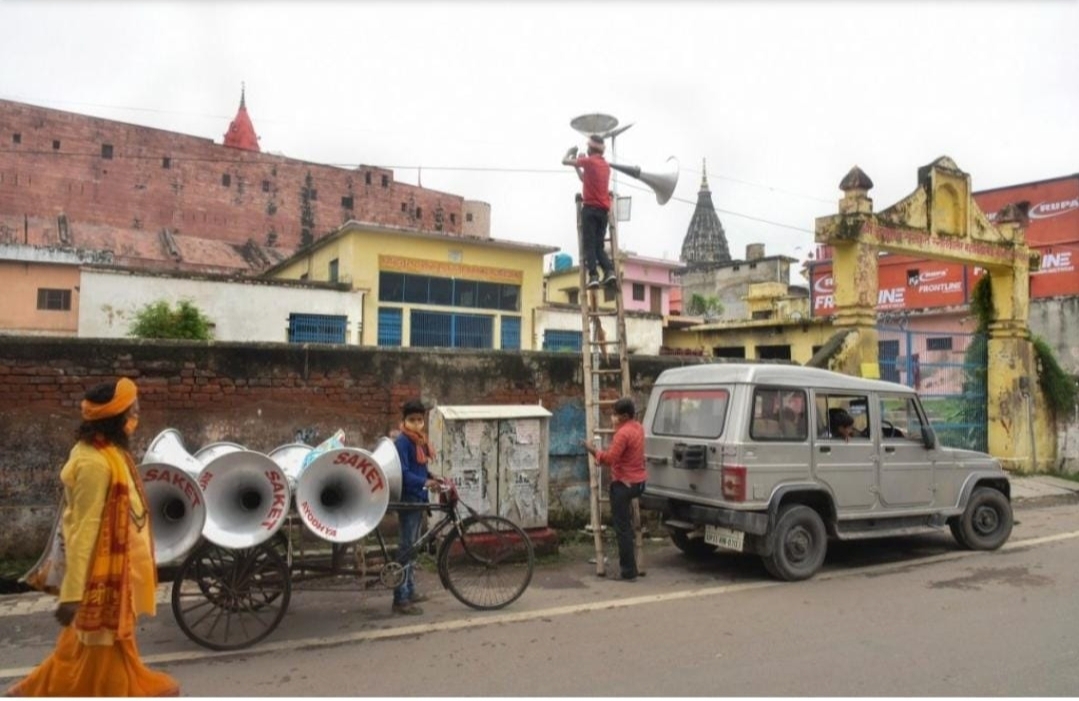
168	447
213	450
175	501
342	495
247	498
290	457
385	453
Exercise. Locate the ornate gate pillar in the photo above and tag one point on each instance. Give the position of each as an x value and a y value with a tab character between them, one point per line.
941	221
856	266
1012	370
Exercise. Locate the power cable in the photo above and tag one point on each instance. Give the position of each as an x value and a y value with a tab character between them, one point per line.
354	166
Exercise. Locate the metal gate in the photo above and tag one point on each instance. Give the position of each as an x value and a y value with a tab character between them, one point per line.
948	369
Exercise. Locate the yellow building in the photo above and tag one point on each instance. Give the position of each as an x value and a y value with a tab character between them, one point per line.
428	289
777	327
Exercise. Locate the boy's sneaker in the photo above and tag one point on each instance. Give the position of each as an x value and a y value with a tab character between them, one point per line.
418	598
407	608
593	281
610	279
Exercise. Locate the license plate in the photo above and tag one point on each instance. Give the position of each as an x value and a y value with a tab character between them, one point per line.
724	537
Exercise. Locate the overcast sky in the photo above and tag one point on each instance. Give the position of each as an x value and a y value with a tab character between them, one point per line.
781	98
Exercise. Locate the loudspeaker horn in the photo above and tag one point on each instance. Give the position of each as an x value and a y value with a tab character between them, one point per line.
290	457
175	501
662	184
177	509
342	495
247	498
385	454
168	447
213	450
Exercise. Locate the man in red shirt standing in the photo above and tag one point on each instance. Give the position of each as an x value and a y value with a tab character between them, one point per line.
625	457
595	173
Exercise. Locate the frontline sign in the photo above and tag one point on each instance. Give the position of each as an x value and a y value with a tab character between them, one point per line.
904	282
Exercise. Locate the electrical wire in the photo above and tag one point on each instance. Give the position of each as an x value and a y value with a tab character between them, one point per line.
353	166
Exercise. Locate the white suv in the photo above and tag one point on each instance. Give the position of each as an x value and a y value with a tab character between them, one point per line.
775	459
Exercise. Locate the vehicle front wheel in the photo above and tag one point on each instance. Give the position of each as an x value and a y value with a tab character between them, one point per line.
694	548
986	523
799	544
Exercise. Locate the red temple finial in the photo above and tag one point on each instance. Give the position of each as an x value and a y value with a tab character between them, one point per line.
241	133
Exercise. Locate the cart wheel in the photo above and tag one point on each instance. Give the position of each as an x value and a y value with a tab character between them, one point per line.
230	599
487	563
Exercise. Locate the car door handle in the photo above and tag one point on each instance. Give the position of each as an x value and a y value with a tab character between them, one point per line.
889	449
826	449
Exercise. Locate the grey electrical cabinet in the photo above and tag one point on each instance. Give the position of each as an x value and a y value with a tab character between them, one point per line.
497	456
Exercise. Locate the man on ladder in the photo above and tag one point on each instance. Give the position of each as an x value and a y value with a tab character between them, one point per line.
593	222
595	173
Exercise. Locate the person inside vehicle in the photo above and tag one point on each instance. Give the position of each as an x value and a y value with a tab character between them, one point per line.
842	424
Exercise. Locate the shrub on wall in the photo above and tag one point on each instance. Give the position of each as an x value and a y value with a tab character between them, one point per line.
160	320
1058	388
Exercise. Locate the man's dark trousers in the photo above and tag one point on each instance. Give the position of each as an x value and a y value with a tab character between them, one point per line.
622	497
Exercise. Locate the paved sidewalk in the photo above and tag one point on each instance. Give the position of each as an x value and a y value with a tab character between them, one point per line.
1023	488
1040	486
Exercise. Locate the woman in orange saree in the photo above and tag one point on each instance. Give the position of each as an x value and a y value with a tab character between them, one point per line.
107	575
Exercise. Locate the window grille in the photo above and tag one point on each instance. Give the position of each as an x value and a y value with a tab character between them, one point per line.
559	340
317	328
511	333
389	326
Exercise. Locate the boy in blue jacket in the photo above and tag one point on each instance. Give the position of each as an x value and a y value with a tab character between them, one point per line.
415	454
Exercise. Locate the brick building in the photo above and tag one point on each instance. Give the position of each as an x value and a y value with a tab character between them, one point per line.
160	199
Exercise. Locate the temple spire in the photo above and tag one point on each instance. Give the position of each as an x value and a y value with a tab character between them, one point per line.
705	243
241	133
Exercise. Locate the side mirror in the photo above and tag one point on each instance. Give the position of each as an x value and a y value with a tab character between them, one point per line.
929	439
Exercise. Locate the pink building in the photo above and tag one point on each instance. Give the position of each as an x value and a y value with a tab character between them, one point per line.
647	283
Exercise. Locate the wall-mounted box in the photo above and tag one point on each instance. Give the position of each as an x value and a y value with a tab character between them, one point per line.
497	456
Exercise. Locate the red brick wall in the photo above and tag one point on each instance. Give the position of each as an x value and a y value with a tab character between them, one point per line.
261	396
134	190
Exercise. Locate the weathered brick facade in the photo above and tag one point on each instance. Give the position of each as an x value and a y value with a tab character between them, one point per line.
62	174
265	395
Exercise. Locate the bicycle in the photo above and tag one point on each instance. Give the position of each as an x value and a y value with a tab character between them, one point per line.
239	596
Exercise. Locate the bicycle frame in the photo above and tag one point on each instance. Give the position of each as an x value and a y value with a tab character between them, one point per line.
448	503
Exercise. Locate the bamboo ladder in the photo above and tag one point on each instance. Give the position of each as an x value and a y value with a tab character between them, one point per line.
606	378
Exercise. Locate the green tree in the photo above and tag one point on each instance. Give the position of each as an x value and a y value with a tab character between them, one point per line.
709	307
160	320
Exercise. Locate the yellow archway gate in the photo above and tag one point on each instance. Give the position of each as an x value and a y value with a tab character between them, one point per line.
940	220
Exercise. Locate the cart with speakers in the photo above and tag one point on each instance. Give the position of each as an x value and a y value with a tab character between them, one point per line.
245	527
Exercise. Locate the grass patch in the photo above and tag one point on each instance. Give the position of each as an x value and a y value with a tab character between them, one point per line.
16	567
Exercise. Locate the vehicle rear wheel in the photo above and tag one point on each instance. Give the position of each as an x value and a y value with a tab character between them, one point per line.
799	543
694	548
987	521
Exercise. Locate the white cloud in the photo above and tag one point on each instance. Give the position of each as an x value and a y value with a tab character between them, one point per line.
781	98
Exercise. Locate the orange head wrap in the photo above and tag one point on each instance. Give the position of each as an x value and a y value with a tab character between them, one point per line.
125	396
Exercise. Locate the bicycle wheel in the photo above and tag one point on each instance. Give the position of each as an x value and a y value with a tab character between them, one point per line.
486	562
230	599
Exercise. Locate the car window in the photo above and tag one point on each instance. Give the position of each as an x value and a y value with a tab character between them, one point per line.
835	412
694	413
779	414
900	419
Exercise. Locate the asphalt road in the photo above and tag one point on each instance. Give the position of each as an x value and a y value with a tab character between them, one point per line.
901	617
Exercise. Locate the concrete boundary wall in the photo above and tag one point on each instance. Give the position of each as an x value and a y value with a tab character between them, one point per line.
265	395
